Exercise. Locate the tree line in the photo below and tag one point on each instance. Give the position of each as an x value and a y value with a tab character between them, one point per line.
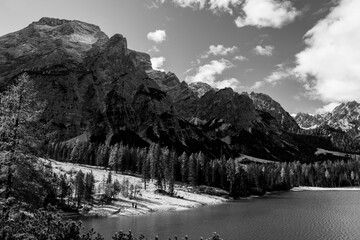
165	166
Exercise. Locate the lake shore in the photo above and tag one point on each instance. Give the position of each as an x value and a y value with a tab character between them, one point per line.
306	188
146	201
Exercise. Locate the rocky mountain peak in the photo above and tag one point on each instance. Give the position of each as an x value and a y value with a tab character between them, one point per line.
265	103
200	88
51	21
94	84
345	117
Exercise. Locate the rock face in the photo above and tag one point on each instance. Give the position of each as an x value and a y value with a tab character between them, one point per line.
200	88
342	126
94	84
345	117
265	103
308	121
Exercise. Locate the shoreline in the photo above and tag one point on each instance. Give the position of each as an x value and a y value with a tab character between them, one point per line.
306	188
147	201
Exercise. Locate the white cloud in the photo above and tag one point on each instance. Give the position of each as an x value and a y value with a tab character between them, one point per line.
153	49
282	72
257	85
327	108
330	65
207	73
240	58
267	13
219	50
158	36
223	5
157	63
194	4
264	51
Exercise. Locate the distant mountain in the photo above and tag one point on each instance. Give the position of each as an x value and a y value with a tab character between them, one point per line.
95	85
342	125
346	117
200	88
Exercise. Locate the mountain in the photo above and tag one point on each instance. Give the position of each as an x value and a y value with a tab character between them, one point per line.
265	103
346	117
95	86
200	88
308	121
342	125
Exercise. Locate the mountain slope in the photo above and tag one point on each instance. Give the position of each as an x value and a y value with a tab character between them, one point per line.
346	117
342	125
95	85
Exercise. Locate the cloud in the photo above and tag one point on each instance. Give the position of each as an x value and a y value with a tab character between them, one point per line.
264	51
267	13
153	49
151	5
194	4
223	5
240	58
207	73
330	64
257	85
327	108
157	63
219	50
282	72
158	36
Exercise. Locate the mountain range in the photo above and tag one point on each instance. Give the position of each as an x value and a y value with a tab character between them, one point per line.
95	86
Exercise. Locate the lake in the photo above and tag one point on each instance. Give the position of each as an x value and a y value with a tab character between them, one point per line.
290	215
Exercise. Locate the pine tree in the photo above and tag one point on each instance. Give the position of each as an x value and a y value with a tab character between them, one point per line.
64	187
109	178
19	127
171	178
184	161
164	170
79	187
146	169
192	170
89	186
75	154
113	158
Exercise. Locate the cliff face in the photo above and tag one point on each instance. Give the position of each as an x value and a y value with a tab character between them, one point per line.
265	103
96	85
345	117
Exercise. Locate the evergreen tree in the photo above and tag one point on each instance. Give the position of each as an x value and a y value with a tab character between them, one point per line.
164	170
19	127
146	169
89	186
184	160
79	187
113	158
75	154
109	178
64	187
192	170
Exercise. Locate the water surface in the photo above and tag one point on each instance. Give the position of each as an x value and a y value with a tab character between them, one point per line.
291	215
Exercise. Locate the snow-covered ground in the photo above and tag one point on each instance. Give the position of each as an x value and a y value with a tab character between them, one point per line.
304	188
147	200
334	153
246	158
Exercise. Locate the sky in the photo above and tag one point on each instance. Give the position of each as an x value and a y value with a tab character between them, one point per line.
305	54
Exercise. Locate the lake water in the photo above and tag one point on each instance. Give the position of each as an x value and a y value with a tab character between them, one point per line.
291	215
